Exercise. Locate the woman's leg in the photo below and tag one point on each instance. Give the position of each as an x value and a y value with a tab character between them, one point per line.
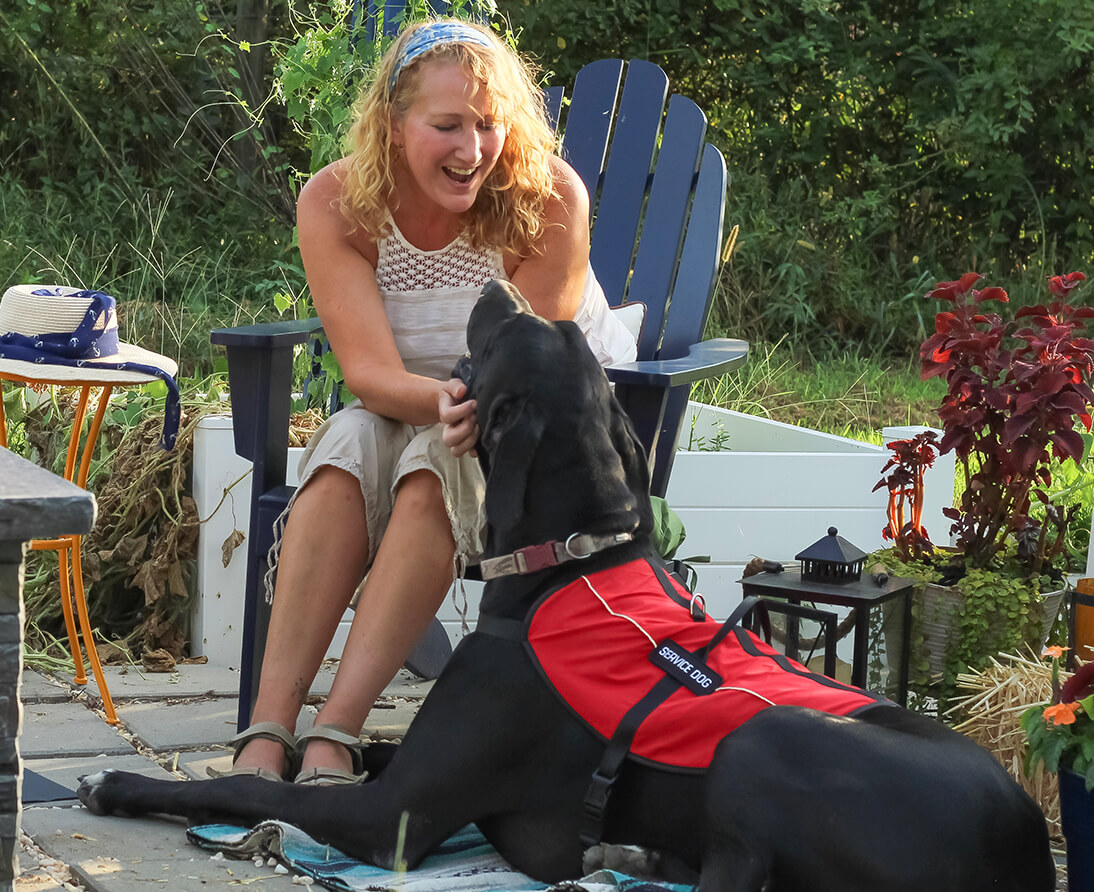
405	586
324	552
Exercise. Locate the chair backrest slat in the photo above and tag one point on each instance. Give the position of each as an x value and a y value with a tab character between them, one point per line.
697	272
666	215
589	120
626	179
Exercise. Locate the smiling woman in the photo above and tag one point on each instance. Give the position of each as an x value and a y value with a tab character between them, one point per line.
452	182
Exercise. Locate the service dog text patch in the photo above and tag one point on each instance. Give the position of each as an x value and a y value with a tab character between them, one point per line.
686	667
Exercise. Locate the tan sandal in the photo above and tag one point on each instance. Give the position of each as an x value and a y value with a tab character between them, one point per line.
331	776
264	731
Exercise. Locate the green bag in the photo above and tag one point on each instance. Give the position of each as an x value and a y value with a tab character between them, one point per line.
668	529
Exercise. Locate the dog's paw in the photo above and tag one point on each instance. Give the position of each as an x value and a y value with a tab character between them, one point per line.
102	792
632	860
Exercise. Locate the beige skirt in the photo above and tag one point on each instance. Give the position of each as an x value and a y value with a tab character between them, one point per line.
380	452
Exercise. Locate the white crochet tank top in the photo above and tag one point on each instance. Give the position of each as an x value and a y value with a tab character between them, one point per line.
428	296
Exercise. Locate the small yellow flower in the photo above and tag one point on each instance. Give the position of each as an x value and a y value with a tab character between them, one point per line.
1054	651
1061	713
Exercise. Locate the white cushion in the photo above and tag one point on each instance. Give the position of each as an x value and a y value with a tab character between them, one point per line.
632	316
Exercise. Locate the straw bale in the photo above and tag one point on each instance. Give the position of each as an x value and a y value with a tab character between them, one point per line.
989	712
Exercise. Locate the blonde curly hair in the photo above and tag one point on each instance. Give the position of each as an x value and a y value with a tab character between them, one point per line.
509	209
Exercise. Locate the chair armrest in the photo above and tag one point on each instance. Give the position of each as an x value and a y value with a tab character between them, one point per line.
704	360
260	361
267	335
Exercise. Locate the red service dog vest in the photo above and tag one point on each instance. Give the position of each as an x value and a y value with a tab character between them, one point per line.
593	640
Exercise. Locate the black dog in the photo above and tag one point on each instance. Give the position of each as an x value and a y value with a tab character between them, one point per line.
794	799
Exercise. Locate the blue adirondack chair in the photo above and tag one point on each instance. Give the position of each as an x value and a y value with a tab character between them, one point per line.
658	191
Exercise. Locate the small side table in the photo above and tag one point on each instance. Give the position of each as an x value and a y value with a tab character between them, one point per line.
77	465
861	596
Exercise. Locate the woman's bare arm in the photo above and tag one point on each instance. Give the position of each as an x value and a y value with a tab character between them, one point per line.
341	268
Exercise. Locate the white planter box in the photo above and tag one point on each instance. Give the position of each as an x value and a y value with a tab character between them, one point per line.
773	490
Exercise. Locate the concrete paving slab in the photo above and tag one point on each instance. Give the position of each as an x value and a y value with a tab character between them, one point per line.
38	688
189	680
127	854
197	680
193	764
404	684
186	725
67	729
389	719
189	724
65	770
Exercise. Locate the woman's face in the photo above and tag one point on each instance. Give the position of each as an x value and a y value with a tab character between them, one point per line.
449	137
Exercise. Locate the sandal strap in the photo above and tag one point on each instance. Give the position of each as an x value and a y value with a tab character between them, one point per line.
263	773
333	734
313	777
266	731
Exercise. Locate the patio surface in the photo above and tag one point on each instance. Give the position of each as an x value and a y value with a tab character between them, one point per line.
173	725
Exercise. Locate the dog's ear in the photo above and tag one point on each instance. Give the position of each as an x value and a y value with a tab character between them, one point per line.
514	430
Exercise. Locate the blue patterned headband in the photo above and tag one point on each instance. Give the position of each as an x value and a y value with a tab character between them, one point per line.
429	36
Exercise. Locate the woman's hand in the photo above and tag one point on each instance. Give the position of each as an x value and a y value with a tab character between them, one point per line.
461	428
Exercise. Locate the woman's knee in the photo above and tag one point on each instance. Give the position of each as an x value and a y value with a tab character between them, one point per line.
420	491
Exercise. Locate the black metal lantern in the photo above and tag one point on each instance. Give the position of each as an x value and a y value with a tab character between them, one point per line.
832	559
831	574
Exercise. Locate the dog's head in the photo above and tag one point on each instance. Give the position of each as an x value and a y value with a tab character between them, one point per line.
558	451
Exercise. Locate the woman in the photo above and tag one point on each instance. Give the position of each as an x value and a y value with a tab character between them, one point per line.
453	181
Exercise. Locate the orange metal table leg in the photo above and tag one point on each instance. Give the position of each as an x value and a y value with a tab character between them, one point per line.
72	579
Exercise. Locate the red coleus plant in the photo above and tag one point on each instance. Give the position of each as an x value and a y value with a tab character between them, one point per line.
904	479
1015	391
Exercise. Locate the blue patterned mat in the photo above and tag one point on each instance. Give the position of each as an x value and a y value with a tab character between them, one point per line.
465	862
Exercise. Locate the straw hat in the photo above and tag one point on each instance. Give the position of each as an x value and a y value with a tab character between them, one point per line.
54	334
74	333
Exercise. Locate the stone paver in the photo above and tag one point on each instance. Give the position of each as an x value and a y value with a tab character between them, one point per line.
66	770
189	680
189	723
67	729
185	724
389	719
126	854
38	688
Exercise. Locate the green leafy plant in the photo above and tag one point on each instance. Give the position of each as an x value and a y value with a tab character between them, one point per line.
1060	734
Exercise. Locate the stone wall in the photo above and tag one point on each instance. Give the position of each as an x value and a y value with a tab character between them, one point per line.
34	504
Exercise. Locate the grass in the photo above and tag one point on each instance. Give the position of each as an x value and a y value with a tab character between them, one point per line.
178	271
853	395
